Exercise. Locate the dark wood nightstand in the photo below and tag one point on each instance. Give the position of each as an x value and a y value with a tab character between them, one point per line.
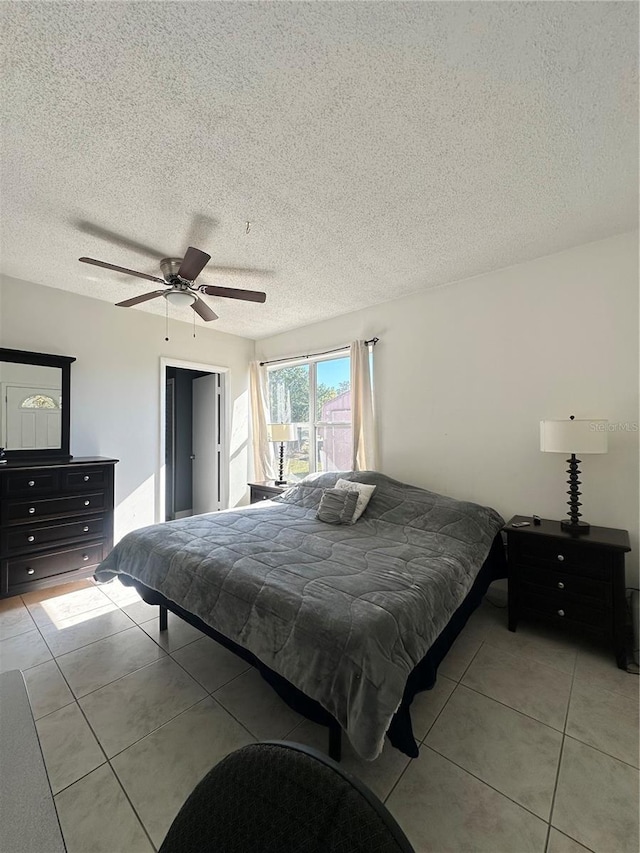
264	491
568	579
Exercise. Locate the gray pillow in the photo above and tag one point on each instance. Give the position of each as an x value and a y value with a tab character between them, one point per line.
337	506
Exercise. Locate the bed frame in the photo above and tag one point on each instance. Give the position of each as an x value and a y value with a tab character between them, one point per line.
423	676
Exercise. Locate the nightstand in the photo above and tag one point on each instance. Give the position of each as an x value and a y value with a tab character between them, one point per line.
569	579
264	491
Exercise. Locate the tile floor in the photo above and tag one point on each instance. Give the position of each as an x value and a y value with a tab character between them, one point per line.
529	740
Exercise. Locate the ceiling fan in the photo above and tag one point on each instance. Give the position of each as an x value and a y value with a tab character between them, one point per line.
180	275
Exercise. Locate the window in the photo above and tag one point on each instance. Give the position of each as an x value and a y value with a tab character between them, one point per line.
315	395
39	401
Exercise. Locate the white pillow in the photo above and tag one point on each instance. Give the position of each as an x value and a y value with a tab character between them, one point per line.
364	495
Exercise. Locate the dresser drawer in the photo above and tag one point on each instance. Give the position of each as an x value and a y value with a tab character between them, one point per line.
566	557
26	538
30	482
18	512
555	607
596	593
25	569
74	480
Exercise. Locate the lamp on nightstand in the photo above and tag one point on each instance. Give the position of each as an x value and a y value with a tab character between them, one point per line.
282	433
574	436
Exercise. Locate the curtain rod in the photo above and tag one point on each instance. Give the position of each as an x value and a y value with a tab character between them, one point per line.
371	342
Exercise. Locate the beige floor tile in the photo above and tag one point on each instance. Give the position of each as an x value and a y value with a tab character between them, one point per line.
460	655
596	800
99	663
119	593
77	631
257	706
96	817
23	652
14	618
51	607
69	748
543	645
443	809
140	611
513	753
379	775
47	689
178	634
596	667
160	771
523	684
608	721
128	709
210	663
427	705
560	843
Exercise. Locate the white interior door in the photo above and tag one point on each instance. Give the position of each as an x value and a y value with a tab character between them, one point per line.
28	426
206	444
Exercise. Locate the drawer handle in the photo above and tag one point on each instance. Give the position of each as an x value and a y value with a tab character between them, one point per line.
86	503
85	557
560	585
32	509
32	482
265	497
86	478
31	571
85	529
31	538
560	612
560	558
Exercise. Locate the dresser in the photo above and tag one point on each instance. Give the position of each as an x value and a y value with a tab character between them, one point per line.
264	491
56	521
567	579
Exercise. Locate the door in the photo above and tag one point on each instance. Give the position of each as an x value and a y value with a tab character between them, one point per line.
206	444
33	418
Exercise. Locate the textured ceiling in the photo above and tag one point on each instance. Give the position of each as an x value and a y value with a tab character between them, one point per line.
376	148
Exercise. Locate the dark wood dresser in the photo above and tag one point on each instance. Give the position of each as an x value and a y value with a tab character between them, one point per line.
567	579
264	491
56	521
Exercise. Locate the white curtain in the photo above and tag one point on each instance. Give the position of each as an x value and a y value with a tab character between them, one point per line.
259	394
365	456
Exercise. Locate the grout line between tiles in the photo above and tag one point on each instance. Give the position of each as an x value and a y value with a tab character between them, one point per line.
133	808
511	708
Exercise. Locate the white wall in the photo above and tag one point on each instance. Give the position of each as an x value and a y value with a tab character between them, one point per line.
465	373
115	383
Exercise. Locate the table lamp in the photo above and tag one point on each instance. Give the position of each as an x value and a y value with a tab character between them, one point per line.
282	433
574	436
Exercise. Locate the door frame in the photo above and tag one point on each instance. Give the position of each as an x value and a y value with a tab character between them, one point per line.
225	438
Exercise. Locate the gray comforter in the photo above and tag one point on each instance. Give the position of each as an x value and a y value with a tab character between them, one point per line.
343	612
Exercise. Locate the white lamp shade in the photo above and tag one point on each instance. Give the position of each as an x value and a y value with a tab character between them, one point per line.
574	436
282	432
180	298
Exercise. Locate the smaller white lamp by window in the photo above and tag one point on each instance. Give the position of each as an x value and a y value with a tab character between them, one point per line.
282	433
574	436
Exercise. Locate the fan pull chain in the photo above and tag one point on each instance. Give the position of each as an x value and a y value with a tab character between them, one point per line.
166	305
194	323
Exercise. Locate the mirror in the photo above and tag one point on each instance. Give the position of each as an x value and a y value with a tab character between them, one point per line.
34	404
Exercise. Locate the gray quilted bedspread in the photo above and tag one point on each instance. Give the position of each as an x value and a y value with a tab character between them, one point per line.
343	612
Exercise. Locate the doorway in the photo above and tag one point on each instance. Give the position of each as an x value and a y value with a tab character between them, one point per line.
193	446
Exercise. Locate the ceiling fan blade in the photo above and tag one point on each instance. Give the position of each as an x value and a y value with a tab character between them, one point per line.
201	308
233	293
193	263
121	269
135	300
120	240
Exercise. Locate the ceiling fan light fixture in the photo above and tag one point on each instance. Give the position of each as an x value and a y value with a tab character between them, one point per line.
180	298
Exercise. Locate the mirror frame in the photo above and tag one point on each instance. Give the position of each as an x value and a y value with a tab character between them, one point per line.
64	362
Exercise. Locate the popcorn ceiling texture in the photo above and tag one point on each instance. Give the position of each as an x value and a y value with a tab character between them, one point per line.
376	148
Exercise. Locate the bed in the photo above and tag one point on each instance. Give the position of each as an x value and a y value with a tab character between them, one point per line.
346	622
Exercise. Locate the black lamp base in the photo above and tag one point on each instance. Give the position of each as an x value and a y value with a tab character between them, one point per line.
280	482
575	526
